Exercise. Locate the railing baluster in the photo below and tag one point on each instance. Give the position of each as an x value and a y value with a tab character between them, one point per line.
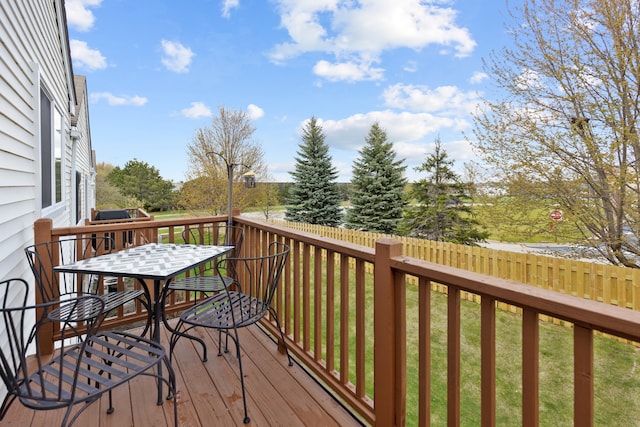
317	304
530	368
453	357
424	352
583	376
488	355
330	312
344	319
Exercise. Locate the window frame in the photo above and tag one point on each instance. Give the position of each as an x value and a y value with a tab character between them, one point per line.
52	148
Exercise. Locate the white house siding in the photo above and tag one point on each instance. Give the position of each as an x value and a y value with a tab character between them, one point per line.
84	156
34	54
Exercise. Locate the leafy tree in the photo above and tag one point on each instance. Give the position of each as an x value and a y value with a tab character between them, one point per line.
267	197
226	143
109	196
568	119
314	197
377	186
196	195
138	179
440	212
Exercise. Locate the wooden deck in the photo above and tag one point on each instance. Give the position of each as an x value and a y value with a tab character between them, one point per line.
209	394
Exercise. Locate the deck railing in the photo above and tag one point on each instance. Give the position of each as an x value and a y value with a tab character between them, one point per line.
349	327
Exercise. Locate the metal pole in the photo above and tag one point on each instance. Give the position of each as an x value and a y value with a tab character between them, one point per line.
230	194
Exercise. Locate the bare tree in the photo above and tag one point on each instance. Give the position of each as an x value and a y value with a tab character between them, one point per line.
227	142
568	119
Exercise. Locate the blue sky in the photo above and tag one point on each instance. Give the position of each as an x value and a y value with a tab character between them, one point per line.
158	70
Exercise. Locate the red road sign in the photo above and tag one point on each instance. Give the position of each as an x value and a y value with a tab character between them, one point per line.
556	215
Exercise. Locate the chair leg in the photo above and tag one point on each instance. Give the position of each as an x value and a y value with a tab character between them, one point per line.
177	333
110	409
244	394
146	302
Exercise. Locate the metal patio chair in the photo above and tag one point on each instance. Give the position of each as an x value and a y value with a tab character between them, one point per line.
54	286
205	279
235	308
75	375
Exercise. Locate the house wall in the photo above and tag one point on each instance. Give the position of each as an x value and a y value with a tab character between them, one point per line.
34	56
83	190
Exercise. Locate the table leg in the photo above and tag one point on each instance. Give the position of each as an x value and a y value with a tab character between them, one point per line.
157	313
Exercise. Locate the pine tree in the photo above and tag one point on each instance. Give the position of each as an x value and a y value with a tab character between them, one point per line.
377	186
439	212
314	197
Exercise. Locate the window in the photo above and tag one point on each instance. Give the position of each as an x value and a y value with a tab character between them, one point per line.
79	197
51	126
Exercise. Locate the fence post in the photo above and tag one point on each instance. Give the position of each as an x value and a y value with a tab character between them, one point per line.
387	329
42	229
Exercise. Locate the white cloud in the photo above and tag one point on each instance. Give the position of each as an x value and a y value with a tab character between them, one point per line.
228	5
528	79
78	14
478	77
422	98
403	127
347	71
196	111
176	57
364	30
411	67
114	100
254	112
85	57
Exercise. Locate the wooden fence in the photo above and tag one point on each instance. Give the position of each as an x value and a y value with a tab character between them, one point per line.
599	282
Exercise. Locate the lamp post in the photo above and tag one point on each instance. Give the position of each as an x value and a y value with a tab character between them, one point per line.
230	167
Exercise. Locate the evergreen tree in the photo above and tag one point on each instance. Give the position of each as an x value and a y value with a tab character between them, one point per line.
314	197
140	180
377	186
439	211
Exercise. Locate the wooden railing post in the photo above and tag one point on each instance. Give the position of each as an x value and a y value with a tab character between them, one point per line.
386	328
42	232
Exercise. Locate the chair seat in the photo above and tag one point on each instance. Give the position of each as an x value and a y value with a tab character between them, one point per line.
201	283
114	300
217	312
109	359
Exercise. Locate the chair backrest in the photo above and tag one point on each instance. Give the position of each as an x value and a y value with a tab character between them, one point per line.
219	234
19	324
53	286
258	278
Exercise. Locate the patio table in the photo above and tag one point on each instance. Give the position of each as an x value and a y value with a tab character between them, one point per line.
153	261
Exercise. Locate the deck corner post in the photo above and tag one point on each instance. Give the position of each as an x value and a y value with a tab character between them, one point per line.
385	330
42	232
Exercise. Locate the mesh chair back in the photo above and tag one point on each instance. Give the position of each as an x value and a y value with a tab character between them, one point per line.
53	286
220	234
217	235
258	279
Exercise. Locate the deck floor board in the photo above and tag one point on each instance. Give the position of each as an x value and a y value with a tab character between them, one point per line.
210	394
